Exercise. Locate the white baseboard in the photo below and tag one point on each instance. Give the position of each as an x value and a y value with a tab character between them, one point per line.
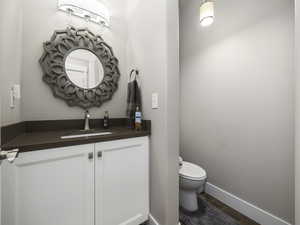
253	212
152	220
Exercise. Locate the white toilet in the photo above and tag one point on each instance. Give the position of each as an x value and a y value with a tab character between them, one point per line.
192	179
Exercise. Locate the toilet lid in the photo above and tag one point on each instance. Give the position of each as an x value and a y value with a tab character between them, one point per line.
192	171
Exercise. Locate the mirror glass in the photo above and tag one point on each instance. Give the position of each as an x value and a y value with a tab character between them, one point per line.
84	68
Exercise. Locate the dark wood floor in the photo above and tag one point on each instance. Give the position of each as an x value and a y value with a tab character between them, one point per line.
240	218
243	220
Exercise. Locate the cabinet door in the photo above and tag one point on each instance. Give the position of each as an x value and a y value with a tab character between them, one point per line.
49	187
122	182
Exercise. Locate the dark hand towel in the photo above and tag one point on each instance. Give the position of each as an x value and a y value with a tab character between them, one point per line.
133	99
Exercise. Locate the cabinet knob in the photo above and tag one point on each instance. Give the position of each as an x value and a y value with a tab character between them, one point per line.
99	154
91	155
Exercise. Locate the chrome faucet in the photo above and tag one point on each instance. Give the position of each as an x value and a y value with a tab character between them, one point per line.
87	120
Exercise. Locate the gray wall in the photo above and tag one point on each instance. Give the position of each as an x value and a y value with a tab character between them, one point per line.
10	63
41	18
10	57
297	147
153	48
237	112
173	110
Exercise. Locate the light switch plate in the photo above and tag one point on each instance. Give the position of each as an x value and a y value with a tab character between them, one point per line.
12	98
155	104
17	91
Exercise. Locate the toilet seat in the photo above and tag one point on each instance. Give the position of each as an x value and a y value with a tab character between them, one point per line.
192	171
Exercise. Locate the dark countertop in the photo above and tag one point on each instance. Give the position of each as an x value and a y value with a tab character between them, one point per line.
39	140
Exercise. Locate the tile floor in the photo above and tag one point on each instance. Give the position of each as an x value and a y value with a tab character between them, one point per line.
240	218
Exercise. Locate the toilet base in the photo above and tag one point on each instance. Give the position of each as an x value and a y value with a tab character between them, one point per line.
188	200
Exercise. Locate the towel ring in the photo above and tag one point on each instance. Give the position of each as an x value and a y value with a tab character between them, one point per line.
136	76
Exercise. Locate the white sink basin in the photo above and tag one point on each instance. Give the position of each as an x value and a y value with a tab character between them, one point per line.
85	135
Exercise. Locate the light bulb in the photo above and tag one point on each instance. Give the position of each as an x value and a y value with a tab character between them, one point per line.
207	13
207	21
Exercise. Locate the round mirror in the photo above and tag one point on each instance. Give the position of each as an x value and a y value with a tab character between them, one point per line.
84	68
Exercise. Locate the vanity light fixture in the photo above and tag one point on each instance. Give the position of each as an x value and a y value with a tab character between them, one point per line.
207	13
91	10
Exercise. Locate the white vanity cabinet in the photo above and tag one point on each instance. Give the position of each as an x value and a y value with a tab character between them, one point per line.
122	182
49	187
95	184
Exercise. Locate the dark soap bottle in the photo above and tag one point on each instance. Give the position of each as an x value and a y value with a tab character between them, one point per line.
106	120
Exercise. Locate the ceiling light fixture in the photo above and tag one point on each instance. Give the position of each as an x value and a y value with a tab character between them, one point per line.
207	14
